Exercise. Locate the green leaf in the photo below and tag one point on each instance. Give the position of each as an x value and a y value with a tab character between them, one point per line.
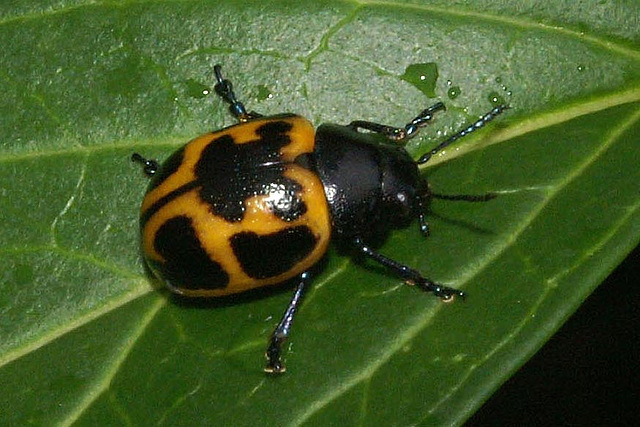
87	337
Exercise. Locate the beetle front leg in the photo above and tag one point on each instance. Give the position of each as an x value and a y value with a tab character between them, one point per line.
400	134
409	274
281	333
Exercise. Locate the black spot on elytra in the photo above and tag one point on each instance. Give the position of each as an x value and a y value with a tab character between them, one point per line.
187	265
263	256
228	174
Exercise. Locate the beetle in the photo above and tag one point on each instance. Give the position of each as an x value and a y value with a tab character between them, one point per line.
257	203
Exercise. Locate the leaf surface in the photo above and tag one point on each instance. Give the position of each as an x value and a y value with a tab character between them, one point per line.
87	337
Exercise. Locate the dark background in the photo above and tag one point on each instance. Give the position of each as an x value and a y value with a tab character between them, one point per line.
588	373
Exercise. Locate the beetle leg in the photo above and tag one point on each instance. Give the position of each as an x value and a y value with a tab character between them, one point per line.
465	197
421	120
150	166
399	134
409	274
281	333
464	132
388	131
423	207
224	88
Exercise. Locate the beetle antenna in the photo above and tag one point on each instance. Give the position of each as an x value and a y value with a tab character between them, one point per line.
464	132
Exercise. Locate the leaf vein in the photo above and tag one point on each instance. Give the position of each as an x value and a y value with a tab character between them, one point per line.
76	192
102	383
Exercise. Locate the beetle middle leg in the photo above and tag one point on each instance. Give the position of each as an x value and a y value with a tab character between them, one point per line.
281	333
408	273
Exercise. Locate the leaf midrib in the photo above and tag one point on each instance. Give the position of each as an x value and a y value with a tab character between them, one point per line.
559	115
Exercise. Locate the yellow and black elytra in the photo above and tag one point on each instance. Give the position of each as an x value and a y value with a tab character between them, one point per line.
232	211
256	203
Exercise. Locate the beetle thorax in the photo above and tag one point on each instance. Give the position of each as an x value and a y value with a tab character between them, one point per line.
371	187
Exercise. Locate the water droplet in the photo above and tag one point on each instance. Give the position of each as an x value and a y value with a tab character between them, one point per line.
496	99
196	89
507	91
423	77
580	67
263	93
454	92
498	79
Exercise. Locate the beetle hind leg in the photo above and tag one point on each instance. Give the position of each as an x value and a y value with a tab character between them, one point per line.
408	274
281	333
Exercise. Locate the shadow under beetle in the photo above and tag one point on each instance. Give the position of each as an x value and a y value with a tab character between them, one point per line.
256	203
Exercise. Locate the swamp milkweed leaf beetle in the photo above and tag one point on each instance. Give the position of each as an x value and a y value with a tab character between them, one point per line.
256	203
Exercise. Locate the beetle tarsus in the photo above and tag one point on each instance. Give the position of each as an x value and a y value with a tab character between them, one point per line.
273	354
411	129
150	166
281	332
445	293
397	133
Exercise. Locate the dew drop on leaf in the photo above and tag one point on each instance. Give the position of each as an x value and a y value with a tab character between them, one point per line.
495	98
454	92
423	77
196	89
263	93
